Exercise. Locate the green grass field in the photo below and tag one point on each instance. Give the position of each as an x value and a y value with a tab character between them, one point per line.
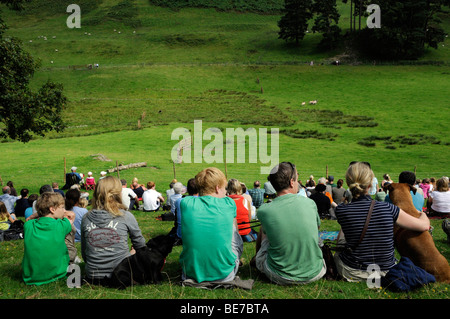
168	68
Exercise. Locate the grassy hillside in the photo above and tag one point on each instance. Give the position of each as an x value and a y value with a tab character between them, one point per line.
167	68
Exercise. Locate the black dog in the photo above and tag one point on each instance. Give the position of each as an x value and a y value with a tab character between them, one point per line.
144	267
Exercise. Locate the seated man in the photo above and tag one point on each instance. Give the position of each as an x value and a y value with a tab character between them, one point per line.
257	194
417	198
72	178
129	197
287	248
269	191
212	245
8	200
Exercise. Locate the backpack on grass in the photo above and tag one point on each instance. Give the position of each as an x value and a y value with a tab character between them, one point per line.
14	232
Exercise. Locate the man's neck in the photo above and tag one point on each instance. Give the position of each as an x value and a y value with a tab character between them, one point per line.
285	192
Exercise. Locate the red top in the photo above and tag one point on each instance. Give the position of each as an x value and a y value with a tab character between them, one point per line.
241	214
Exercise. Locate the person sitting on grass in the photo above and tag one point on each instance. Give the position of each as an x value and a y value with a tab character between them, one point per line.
29	211
322	201
5	218
73	203
212	245
104	233
257	194
176	230
152	198
46	257
22	203
439	200
377	245
287	248
129	197
409	178
178	189
244	210
139	190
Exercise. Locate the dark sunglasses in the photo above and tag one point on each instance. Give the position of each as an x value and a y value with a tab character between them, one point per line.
293	170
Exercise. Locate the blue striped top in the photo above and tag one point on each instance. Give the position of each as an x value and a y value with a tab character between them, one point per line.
377	246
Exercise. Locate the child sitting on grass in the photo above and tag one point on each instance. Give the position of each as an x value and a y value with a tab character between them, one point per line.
46	257
5	218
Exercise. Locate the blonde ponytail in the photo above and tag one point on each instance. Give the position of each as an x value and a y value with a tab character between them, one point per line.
359	178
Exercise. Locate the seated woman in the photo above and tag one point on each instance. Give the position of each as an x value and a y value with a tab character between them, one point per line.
212	246
244	210
377	246
439	200
137	188
105	231
5	218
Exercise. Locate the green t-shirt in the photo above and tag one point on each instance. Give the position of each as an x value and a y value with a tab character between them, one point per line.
291	223
45	257
207	232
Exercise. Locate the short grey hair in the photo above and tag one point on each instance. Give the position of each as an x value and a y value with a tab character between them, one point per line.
178	187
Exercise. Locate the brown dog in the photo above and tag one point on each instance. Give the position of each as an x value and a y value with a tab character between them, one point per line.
417	246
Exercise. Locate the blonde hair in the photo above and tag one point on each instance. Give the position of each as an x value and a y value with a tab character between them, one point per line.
3	210
359	178
83	203
442	184
108	196
208	179
234	187
47	200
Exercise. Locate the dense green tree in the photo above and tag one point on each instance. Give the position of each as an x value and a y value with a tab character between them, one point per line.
23	112
294	23
407	28
326	22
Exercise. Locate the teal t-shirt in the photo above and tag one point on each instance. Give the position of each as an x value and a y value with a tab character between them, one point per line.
291	223
417	198
45	256
207	232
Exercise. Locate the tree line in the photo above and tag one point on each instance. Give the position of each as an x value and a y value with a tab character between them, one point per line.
408	27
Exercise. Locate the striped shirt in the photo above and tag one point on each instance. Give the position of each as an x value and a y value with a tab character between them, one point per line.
377	246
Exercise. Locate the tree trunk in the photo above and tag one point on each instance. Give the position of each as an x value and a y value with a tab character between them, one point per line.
351	15
122	167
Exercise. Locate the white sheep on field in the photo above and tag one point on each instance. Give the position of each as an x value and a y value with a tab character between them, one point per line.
313	102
